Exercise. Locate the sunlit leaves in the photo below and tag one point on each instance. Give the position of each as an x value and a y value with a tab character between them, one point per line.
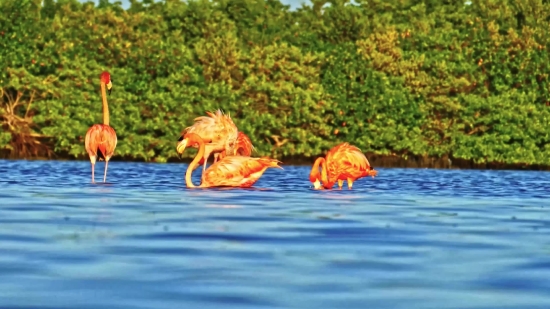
400	78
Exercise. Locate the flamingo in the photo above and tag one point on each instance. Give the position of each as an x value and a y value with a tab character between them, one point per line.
219	132
342	162
100	141
231	171
243	147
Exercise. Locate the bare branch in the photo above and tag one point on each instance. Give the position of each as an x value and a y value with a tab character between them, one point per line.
279	143
10	98
30	103
12	104
475	130
16	103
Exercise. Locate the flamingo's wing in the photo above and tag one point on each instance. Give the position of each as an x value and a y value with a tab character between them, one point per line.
207	128
230	135
347	161
335	157
229	170
109	141
100	137
236	171
215	128
90	140
354	163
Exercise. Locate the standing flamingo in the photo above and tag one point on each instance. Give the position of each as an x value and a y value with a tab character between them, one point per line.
101	140
342	162
219	132
231	171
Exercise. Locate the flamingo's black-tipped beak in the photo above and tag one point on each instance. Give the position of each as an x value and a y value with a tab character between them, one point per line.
180	147
110	86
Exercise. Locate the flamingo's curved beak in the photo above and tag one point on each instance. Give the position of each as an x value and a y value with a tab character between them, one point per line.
181	146
110	86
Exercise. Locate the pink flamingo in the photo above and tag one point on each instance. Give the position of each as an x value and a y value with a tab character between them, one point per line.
101	140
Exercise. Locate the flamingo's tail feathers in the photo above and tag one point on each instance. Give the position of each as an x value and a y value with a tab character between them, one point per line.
269	162
102	150
373	173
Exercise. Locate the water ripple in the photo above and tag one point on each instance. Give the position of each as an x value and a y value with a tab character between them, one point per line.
410	238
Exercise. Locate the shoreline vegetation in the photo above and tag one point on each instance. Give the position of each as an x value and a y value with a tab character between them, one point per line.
411	83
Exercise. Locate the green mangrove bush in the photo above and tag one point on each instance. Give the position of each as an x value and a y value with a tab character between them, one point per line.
407	79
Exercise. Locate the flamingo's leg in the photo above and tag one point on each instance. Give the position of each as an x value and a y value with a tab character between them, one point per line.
340	184
206	155
93	168
92	161
203	170
105	173
350	183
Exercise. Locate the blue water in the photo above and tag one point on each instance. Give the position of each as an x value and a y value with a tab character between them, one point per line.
410	238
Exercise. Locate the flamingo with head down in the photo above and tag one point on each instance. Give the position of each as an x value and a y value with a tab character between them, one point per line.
100	141
218	131
342	162
231	171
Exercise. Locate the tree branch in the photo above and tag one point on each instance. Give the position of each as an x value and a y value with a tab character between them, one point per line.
30	103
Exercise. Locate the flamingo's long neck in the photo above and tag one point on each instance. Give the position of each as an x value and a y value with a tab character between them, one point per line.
324	177
195	161
105	106
315	169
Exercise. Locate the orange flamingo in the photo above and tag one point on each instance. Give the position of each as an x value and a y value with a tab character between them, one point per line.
342	162
100	141
231	171
218	131
243	147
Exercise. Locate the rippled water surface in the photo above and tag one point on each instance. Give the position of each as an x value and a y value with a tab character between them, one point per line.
410	238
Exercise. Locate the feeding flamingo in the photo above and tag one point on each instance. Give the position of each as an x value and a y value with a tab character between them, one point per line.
231	171
342	162
218	132
100	141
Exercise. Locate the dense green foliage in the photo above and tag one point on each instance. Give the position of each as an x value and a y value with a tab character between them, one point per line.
405	78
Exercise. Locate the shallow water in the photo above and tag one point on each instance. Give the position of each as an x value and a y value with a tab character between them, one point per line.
410	238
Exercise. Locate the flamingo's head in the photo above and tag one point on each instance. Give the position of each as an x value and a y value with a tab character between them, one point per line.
372	172
106	79
243	146
315	175
315	178
189	139
241	150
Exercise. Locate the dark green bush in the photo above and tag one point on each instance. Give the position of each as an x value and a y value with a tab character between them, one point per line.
409	79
